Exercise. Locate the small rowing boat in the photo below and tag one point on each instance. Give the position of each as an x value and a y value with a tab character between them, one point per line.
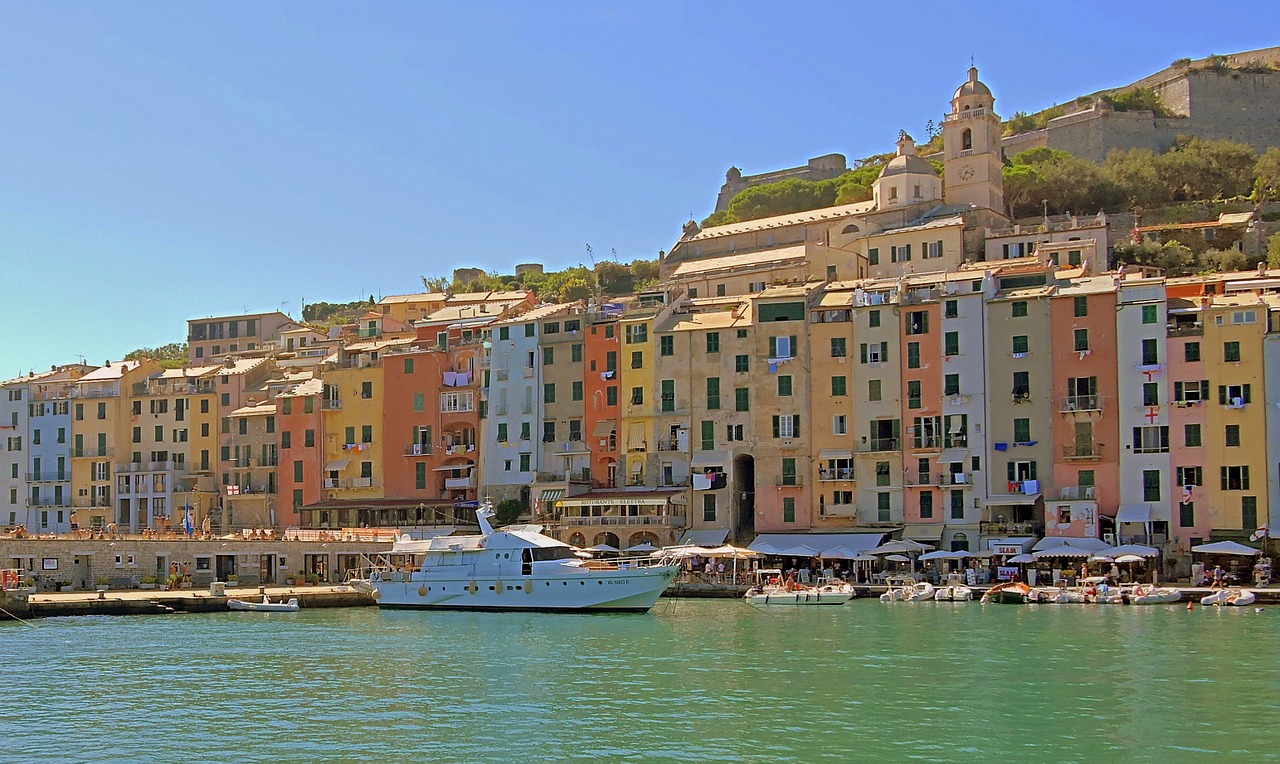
266	606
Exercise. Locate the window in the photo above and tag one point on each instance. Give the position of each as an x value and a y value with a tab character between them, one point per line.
882	473
1150	352
839	347
526	431
350	435
873	353
637	333
637	396
549	432
873	319
784	385
789	472
786	426
1081	306
408	366
1021	386
957	505
1235	396
926	505
1192	391
366	433
1150	393
741	364
1081	340
1248	512
1020	344
637	359
713	393
666	345
419	401
708	507
713	342
789	509
525	460
951	384
1186	514
1231	352
611	360
951	343
1191	435
873	389
1151	439
1233	435
1151	485
1018	309
611	395
735	432
504	332
575	352
740	400
1188	476
548	356
873	256
900	253
668	395
840	424
502	432
839	386
529	330
552	327
1149	314
914	393
951	309
913	355
708	435
286	439
309	439
1021	430
420	475
882	508
782	347
1235	478
366	389
918	322
1191	352
719	290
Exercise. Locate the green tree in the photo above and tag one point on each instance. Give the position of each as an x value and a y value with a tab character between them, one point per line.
1195	169
171	356
1133	174
1223	261
1273	250
614	278
1023	189
508	511
1266	186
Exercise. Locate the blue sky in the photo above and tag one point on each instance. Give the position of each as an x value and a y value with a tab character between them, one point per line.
166	161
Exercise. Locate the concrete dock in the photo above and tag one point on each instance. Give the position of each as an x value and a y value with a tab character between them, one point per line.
154	602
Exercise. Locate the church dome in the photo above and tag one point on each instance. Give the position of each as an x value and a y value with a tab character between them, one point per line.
973	86
907	162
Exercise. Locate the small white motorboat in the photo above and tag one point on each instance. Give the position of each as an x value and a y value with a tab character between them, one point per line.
953	589
266	606
1148	594
921	591
1047	595
1231	596
831	594
900	589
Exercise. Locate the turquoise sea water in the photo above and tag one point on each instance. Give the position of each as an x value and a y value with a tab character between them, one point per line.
691	681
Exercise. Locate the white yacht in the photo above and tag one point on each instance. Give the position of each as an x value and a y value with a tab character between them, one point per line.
515	568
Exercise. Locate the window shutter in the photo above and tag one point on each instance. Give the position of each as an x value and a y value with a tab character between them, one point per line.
776	428
1177	391
796	422
1222	395
773	347
1245	394
1224	477
862	353
1012	473
1204	389
884	352
791	351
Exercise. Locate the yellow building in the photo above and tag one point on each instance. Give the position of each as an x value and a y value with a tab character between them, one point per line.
832	415
101	426
352	403
640	396
1235	474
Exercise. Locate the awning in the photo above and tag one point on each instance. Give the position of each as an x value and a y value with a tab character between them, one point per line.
336	465
452	467
1012	499
1134	513
708	538
604	427
1226	547
551	494
923	532
855	542
835	453
1079	542
708	459
1009	546
953	456
580	501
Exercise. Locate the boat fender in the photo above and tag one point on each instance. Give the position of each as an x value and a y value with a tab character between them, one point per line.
528	586
472	587
422	591
497	586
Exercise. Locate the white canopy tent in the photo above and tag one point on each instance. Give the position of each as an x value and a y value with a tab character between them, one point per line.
1226	547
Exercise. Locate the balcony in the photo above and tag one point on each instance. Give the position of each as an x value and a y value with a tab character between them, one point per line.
582	475
418	449
876	445
1084	452
789	481
48	477
670	444
502	375
330	404
1009	529
95	502
92	453
927	443
835	474
938	479
1072	404
49	501
459	483
150	467
1078	493
1186	329
332	483
672	521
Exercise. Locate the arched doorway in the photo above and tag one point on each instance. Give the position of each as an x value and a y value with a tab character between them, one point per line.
744	498
643	537
606	537
577	539
960	543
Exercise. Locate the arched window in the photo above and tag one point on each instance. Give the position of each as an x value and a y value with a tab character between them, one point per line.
851	228
966	140
960	543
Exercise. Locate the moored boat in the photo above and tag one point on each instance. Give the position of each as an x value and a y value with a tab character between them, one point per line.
1149	594
1233	596
828	594
266	606
514	568
1008	593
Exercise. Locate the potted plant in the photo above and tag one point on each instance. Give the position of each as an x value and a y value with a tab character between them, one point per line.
233	580
314	579
101	583
148	581
30	584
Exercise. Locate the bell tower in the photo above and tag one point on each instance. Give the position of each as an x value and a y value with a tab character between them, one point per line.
973	167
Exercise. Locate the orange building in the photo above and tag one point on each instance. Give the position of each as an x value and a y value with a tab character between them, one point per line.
602	384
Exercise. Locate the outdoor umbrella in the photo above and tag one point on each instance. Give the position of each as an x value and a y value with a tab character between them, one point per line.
1226	547
1063	551
939	555
898	558
603	548
645	547
1101	558
1022	559
1133	549
841	553
904	546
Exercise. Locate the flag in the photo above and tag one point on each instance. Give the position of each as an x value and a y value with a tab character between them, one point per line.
233	490
189	525
1259	534
1186	494
537	506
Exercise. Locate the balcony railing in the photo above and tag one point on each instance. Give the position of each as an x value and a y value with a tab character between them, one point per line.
92	453
927	443
1077	493
459	483
1186	329
837	473
997	528
938	479
1072	403
95	502
876	444
418	449
675	521
1082	451
786	481
49	501
48	477
331	404
669	445
332	483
